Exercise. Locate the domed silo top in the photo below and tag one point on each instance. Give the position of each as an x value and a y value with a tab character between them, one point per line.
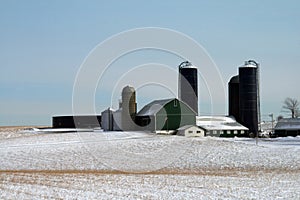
187	64
128	89
250	63
235	79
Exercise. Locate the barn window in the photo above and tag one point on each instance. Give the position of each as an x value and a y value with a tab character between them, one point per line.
235	132
190	131
215	132
175	103
198	131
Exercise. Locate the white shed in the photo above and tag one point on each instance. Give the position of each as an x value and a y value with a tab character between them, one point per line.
191	131
221	126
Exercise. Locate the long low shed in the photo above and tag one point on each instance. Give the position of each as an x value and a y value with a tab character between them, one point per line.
287	127
221	126
77	121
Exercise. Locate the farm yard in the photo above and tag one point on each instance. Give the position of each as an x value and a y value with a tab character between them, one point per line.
138	165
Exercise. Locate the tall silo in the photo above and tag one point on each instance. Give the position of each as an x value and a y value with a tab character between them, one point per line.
188	85
249	95
234	97
128	108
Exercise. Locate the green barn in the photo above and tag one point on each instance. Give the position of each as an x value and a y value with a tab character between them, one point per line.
166	114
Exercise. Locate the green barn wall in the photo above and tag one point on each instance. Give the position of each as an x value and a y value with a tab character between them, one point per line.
178	114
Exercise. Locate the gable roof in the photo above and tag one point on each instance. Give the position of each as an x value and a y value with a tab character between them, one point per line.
153	107
219	123
156	105
186	127
288	124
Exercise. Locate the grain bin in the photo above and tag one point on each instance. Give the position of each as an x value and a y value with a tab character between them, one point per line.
249	95
188	85
234	97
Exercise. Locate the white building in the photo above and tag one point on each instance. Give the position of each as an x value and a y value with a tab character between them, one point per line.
221	126
191	131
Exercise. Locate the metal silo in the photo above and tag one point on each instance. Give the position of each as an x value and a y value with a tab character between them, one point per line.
188	85
249	95
128	108
107	119
234	97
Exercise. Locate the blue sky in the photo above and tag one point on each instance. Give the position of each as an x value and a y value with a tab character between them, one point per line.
43	44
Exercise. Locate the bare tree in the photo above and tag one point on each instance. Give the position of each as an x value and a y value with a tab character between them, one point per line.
291	105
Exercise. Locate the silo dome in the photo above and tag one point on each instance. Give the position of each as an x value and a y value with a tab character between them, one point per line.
187	64
250	63
128	89
234	79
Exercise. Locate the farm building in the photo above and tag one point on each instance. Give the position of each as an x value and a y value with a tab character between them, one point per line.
244	96
79	121
122	119
191	131
221	126
287	127
167	114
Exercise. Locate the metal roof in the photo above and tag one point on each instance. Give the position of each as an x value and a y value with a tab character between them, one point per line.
250	63
187	64
153	107
110	109
186	127
219	123
288	124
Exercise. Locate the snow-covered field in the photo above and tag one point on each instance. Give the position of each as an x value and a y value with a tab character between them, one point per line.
136	165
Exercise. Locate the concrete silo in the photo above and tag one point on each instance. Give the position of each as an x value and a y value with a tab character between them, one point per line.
129	108
188	85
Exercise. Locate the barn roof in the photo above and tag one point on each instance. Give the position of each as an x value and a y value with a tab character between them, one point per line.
153	107
288	124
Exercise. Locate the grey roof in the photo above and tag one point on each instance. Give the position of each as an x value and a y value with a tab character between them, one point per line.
186	127
109	108
219	123
153	107
288	124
